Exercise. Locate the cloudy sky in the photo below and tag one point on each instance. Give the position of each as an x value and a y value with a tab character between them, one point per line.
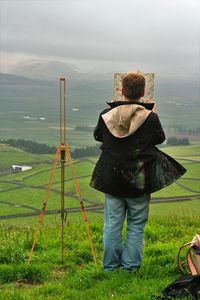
103	35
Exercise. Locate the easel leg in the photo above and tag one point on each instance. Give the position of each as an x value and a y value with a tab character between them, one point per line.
61	152
62	196
78	193
51	179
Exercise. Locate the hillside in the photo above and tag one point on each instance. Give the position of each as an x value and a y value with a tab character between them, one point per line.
30	107
23	192
170	225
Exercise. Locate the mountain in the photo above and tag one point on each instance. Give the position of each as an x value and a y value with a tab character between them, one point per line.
45	70
82	92
14	80
47	73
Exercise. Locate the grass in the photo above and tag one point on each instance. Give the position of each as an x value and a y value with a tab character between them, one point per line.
192	170
35	198
169	226
13	156
182	150
191	184
28	188
37	101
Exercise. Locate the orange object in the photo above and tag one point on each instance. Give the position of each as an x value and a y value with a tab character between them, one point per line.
62	152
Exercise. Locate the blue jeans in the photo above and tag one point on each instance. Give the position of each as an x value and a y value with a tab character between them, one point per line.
135	210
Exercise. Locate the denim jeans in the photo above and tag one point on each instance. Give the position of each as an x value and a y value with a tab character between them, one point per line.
117	209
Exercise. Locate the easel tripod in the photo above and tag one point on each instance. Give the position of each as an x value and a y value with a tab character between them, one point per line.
62	152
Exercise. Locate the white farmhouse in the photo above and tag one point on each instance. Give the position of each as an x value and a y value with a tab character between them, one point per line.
21	168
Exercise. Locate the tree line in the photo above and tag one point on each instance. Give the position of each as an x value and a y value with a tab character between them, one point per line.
174	141
184	129
37	148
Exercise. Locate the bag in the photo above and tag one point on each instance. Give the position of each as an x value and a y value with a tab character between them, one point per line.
192	257
185	287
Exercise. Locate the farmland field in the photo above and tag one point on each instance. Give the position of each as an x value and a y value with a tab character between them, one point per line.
22	188
170	225
30	109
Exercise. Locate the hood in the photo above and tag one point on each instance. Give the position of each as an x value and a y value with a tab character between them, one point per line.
147	105
124	120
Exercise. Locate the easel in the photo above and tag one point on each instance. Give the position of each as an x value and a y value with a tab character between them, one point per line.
62	152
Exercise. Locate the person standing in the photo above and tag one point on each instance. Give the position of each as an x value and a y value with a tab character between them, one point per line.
129	169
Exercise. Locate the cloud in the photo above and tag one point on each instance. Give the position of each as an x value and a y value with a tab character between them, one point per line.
149	33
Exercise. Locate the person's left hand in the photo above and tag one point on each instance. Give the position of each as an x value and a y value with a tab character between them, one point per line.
154	108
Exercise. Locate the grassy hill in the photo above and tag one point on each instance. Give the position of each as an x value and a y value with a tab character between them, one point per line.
170	225
24	191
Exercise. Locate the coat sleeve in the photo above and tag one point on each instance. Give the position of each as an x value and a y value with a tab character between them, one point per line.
98	131
158	136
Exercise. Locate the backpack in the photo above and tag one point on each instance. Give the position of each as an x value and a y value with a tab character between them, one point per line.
192	257
185	287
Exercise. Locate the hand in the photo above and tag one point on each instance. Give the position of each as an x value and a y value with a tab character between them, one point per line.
155	108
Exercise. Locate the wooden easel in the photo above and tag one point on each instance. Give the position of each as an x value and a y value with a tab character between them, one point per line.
63	152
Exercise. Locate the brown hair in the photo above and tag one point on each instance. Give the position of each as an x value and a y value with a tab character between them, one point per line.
133	85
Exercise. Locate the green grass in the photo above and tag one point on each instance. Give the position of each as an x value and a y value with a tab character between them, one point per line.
7	209
169	226
191	184
43	101
4	186
182	150
29	188
172	191
13	156
36	197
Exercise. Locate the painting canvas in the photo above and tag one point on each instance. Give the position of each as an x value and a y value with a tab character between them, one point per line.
149	86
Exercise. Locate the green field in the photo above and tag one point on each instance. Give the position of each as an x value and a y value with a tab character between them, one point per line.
85	100
170	225
28	188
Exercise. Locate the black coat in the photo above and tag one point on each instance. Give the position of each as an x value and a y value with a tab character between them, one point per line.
133	166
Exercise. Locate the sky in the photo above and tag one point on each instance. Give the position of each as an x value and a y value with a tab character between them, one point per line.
103	35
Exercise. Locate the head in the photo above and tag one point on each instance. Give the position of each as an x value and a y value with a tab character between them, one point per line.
133	86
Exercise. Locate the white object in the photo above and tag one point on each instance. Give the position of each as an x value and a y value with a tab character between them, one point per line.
21	168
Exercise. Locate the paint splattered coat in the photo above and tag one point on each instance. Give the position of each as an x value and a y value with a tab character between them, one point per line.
130	164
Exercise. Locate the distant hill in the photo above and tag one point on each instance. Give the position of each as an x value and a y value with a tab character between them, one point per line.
30	106
101	83
79	88
46	70
12	79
